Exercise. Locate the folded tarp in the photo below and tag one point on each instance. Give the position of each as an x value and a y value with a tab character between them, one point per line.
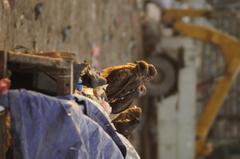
98	114
50	128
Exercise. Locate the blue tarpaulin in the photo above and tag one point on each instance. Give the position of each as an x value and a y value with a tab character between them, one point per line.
46	127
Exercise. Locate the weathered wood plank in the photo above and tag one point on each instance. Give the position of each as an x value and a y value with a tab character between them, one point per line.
3	64
3	67
2	133
38	60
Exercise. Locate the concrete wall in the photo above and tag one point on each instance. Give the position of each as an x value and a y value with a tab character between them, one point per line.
176	120
75	26
177	113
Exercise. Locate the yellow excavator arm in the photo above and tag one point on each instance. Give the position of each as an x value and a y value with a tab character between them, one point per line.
230	47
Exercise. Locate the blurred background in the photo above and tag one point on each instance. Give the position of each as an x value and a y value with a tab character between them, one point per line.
191	109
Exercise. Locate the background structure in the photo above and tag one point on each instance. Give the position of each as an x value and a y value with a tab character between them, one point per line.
75	26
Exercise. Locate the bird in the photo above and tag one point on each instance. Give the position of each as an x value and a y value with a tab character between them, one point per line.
127	120
126	83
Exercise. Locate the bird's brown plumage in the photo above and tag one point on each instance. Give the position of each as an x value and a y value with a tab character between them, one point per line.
126	83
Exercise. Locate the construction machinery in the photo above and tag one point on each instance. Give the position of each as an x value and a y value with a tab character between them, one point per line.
230	47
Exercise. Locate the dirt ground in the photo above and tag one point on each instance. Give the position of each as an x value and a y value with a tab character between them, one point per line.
78	26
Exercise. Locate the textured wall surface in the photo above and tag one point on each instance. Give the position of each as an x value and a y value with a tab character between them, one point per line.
75	26
109	28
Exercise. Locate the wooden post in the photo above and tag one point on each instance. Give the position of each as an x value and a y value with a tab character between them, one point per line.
65	80
2	134
3	64
3	68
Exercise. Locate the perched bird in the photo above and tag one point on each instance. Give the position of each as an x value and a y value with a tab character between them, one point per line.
126	83
118	86
128	120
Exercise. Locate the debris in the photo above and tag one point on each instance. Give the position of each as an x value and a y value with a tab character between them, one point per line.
95	52
4	85
90	77
38	10
79	85
65	32
106	106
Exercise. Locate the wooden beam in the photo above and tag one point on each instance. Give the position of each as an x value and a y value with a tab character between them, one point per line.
3	134
3	64
38	60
